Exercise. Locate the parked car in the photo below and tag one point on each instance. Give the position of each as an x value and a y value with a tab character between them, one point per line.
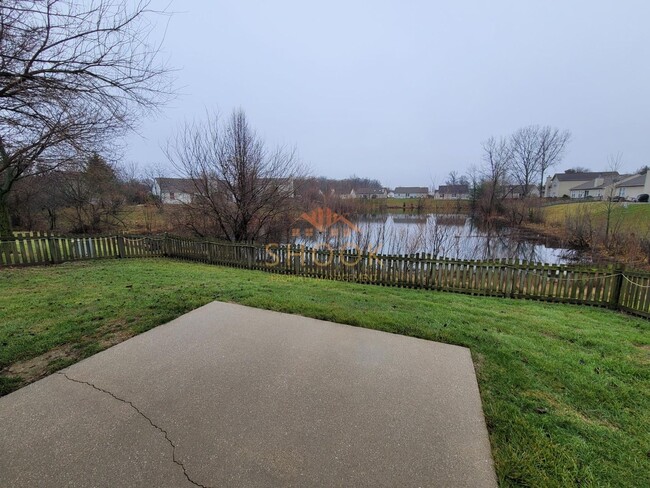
643	198
618	199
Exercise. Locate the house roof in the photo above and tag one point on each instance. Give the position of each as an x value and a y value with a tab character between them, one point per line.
583	176
180	185
635	180
454	189
591	185
411	189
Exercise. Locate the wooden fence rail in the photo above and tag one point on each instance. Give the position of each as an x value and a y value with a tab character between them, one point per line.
25	250
611	287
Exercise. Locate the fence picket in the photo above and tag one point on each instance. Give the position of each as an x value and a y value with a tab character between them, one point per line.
612	287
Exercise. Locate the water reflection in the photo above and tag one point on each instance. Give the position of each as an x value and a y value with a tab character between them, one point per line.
451	236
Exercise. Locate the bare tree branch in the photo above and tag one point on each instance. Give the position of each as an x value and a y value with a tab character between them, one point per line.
241	185
552	144
73	77
525	144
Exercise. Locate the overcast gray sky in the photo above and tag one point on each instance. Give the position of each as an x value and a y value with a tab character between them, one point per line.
405	91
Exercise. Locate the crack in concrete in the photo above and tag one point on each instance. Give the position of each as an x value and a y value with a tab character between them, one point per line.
163	431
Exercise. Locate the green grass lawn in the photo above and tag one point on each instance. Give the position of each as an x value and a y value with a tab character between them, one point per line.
626	217
565	389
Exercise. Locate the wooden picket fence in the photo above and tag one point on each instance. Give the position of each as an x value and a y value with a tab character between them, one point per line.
46	248
610	286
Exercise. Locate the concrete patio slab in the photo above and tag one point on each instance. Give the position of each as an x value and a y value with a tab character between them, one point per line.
233	396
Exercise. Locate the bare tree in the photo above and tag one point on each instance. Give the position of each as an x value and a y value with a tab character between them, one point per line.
615	162
37	203
452	178
525	144
242	187
94	195
552	145
73	76
497	161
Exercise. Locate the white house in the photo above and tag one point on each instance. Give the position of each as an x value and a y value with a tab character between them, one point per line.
452	192
411	192
561	184
184	190
174	190
370	193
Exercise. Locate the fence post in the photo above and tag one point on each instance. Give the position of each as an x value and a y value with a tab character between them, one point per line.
54	249
510	277
121	251
618	286
165	245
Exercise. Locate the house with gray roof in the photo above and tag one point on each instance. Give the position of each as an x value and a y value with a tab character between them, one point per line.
561	184
631	187
186	190
411	192
452	192
369	193
601	187
174	190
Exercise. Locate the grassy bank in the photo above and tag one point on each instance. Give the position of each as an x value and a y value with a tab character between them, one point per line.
565	389
629	217
606	231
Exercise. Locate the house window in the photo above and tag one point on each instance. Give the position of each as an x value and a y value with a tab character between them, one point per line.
171	195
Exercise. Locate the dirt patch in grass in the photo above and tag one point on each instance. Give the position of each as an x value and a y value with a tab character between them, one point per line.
40	366
115	337
60	357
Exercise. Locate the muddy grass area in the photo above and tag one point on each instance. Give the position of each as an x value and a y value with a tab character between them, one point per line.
27	371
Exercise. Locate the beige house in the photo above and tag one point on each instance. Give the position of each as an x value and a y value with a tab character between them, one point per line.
633	186
599	188
561	184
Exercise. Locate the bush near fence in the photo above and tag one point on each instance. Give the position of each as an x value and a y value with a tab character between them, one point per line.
613	286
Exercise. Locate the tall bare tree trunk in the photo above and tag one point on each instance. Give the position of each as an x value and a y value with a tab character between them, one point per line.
5	220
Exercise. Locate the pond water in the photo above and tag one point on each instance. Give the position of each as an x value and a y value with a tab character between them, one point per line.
451	236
